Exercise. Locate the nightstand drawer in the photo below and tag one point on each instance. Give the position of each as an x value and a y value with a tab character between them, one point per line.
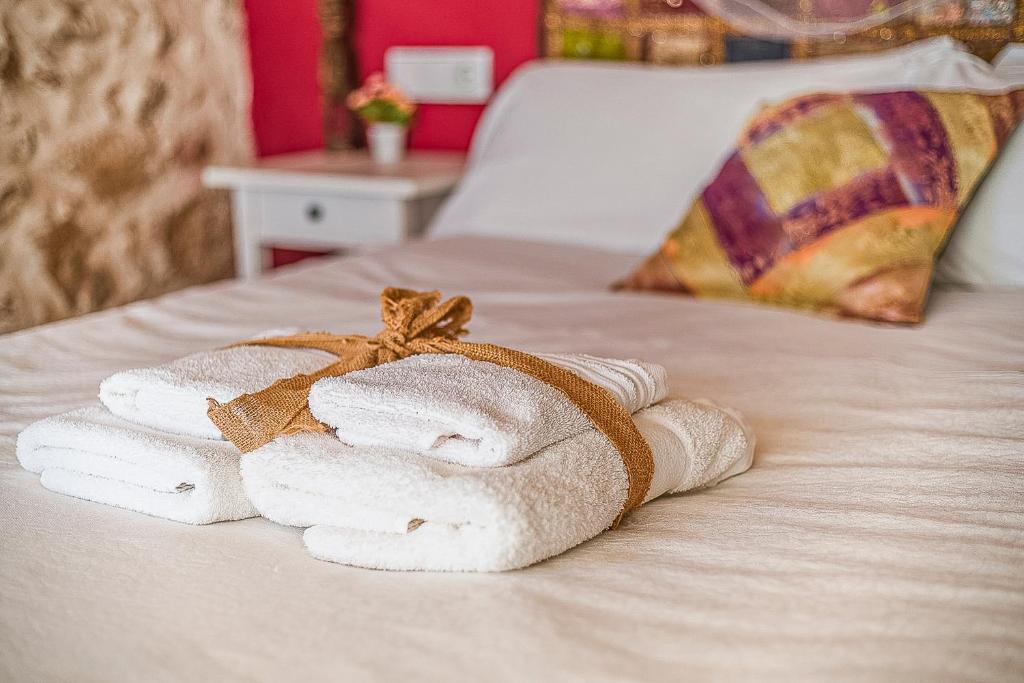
319	218
331	200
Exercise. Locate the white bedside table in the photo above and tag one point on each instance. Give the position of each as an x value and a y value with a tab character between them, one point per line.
327	200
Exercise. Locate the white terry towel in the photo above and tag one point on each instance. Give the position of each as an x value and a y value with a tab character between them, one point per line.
390	509
91	454
472	412
172	397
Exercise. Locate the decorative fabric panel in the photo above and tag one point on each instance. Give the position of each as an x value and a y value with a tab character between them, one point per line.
717	31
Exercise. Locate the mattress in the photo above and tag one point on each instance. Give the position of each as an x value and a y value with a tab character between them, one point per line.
879	535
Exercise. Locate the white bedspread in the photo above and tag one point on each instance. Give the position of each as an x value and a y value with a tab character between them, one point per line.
880	534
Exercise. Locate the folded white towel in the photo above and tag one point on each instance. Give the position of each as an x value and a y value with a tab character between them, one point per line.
172	397
472	412
390	509
89	453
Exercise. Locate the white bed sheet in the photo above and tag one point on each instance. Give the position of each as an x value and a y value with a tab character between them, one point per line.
880	534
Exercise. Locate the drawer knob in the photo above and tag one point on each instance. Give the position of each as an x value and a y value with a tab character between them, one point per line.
314	212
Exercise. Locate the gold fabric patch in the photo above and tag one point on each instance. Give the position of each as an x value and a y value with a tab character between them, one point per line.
837	138
697	260
816	276
971	137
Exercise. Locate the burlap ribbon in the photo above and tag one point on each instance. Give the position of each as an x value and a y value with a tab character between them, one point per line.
416	322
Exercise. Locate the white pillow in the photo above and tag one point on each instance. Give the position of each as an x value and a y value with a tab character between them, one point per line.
1010	59
612	155
987	245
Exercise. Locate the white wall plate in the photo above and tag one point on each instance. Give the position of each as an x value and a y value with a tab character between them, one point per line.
450	75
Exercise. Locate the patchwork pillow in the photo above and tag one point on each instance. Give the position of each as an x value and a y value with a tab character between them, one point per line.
837	203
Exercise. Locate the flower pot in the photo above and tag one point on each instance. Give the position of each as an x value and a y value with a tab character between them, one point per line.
387	142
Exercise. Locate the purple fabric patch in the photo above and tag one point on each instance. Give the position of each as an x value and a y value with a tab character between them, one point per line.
864	195
751	235
767	124
920	152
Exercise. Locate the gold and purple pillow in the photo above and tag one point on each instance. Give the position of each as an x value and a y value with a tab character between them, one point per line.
837	203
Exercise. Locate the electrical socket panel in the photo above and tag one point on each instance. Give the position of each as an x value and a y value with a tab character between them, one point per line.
448	75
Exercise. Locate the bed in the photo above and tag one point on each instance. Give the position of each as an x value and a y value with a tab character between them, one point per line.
879	535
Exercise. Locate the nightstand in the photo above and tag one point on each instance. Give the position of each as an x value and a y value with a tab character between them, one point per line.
330	200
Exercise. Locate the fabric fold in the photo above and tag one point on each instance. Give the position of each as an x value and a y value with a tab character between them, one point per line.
391	509
92	454
472	412
172	397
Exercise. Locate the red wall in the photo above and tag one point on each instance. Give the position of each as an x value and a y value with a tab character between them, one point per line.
284	40
284	46
509	27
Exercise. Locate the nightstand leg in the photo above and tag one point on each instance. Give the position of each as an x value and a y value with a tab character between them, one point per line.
248	250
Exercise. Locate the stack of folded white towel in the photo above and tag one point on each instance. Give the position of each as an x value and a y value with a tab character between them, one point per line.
438	462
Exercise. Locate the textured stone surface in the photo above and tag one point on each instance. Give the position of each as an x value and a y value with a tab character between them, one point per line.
109	109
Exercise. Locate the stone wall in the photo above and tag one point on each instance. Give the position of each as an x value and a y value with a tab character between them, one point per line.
109	110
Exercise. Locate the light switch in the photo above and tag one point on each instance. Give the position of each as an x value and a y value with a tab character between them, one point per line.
452	75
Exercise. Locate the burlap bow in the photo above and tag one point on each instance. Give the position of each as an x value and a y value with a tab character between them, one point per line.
416	322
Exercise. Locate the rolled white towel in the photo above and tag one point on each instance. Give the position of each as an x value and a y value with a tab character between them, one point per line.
91	454
389	509
172	397
472	412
